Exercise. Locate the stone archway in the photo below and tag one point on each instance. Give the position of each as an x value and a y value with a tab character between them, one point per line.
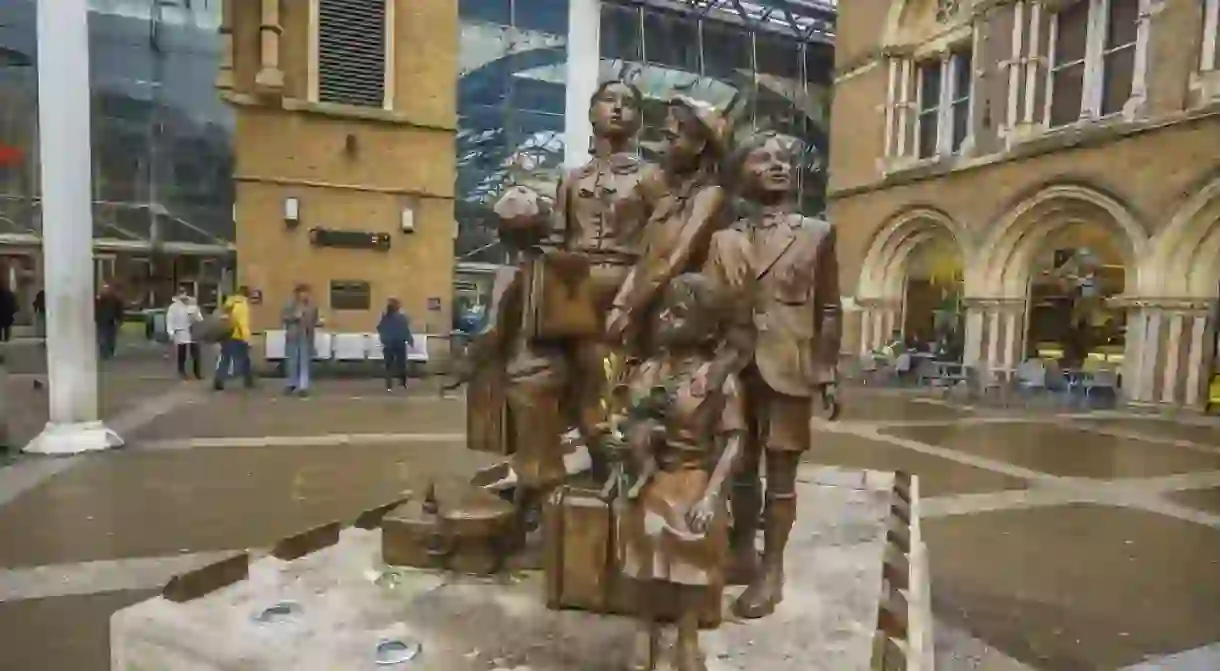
997	320
883	273
1175	311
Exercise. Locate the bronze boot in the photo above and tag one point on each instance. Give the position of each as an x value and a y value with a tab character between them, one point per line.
686	655
744	561
766	591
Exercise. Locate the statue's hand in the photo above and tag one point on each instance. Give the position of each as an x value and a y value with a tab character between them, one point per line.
700	516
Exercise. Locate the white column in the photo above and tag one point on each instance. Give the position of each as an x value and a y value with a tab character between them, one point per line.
1173	357
1194	367
67	228
973	349
866	331
944	113
1032	60
1211	17
1014	65
1139	74
1150	354
993	340
1011	358
891	106
904	105
1137	323
584	30
1095	45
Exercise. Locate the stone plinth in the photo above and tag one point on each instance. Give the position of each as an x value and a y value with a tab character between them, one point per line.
349	601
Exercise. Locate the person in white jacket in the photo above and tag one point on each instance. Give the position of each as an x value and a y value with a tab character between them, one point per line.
181	315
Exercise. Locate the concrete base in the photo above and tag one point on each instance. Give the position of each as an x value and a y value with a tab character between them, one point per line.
68	439
349	602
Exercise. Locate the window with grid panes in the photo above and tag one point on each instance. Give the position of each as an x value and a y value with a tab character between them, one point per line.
1118	57
1068	64
352	52
959	115
928	119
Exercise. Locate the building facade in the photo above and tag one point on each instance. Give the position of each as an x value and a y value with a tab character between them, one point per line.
344	154
162	158
1017	137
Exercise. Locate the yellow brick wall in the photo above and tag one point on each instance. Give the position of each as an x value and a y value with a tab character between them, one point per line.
289	147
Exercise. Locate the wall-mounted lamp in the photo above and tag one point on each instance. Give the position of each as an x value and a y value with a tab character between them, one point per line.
292	212
407	223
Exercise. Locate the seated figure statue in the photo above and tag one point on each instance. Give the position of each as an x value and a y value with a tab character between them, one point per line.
677	450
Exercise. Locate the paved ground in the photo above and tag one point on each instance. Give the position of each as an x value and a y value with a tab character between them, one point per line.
1057	541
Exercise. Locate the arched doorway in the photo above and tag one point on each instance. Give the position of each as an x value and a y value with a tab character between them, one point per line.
1182	277
1050	267
911	278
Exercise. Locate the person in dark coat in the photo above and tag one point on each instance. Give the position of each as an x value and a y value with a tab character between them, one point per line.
394	329
108	315
8	312
40	313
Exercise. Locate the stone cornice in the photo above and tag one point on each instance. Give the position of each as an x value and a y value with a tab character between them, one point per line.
879	303
1091	135
332	110
993	303
1167	304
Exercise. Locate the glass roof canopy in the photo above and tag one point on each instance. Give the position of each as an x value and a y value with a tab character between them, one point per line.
807	20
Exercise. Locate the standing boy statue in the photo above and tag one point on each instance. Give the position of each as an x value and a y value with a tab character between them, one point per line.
780	274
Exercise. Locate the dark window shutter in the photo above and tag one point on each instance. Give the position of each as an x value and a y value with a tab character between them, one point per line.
352	52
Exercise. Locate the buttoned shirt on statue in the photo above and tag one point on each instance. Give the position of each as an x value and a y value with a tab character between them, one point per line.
781	274
599	208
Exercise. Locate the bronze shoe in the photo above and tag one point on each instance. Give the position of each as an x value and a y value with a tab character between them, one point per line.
762	596
687	656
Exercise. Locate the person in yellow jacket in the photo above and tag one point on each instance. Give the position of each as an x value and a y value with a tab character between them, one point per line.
235	350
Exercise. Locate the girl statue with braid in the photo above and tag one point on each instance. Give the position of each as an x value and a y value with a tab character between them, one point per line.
680	449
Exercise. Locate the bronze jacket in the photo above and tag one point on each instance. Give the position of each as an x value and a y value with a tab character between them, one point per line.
780	276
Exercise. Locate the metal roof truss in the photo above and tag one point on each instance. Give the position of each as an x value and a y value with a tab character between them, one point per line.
806	20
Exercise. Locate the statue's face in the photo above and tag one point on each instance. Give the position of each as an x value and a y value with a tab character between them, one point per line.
685	138
615	112
767	170
680	321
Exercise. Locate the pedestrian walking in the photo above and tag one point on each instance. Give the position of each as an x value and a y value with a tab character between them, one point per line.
180	319
8	312
40	314
301	321
235	349
394	329
108	315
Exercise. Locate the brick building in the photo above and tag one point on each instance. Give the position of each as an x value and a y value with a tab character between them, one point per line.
344	148
1011	136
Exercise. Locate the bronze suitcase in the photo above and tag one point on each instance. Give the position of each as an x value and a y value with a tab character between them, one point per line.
581	560
465	530
487	411
560	299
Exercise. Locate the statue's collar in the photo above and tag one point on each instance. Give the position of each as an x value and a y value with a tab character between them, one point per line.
621	163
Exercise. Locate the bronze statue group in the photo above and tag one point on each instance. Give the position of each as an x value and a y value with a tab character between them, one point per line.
679	342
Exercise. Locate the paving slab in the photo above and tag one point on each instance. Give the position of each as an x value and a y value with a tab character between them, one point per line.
134	503
1106	586
1063	451
937	476
465	624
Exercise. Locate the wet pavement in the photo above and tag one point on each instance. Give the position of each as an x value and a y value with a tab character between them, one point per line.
1057	542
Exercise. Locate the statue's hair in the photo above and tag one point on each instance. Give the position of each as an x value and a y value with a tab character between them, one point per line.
737	157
